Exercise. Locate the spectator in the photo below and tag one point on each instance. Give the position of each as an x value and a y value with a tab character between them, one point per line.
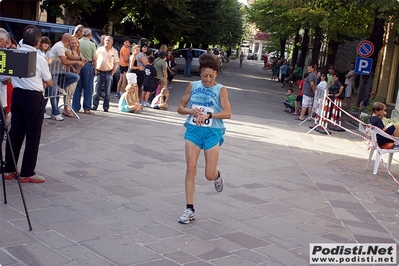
298	100
323	82
141	63
86	74
350	79
5	80
331	72
265	60
27	114
171	66
283	72
241	58
107	63
149	82
129	101
124	65
309	88
297	76
369	99
74	50
289	101
78	32
60	58
101	41
160	67
274	71
161	100
376	120
189	59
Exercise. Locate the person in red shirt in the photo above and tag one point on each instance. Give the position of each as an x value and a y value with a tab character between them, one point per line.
265	59
298	99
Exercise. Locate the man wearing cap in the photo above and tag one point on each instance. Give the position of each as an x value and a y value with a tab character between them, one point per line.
85	83
106	65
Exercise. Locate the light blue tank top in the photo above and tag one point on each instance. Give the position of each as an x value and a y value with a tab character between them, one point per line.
208	100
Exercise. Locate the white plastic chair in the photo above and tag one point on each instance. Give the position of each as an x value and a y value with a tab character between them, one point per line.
374	146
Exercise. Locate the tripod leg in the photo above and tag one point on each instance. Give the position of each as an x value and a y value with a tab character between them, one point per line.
2	112
24	202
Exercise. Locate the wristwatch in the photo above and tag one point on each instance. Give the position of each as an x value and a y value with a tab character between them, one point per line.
210	115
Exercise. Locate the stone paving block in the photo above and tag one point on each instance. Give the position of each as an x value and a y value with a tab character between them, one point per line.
97	261
161	262
53	239
283	255
245	240
180	257
76	252
46	215
141	238
216	253
160	231
120	250
232	260
195	232
225	244
6	259
273	227
36	254
189	244
198	263
160	247
80	230
251	256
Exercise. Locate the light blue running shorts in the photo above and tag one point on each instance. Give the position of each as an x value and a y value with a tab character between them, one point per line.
204	137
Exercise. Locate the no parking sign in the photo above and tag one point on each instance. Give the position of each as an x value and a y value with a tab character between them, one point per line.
363	64
365	48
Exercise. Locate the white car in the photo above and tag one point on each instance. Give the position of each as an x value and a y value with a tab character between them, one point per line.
180	54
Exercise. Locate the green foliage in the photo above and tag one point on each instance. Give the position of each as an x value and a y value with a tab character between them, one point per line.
168	21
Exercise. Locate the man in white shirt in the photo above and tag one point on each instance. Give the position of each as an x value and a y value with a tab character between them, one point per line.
27	113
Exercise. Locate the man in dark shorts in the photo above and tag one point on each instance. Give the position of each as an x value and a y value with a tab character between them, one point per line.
124	55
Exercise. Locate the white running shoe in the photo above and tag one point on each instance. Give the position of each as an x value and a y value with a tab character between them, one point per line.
46	116
187	216
57	117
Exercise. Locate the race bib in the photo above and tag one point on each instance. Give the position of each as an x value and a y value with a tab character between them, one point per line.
204	110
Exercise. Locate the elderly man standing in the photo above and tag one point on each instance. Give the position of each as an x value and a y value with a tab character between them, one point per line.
85	83
27	113
106	65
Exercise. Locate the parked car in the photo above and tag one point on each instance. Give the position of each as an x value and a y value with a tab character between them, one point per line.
118	41
180	54
252	56
51	30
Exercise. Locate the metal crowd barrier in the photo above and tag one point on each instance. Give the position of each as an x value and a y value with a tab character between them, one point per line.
58	70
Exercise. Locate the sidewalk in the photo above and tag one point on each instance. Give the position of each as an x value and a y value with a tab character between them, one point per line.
115	188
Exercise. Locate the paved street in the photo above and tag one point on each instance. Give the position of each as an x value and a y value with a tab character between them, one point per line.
115	188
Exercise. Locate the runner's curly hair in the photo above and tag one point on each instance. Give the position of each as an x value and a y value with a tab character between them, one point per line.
209	61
